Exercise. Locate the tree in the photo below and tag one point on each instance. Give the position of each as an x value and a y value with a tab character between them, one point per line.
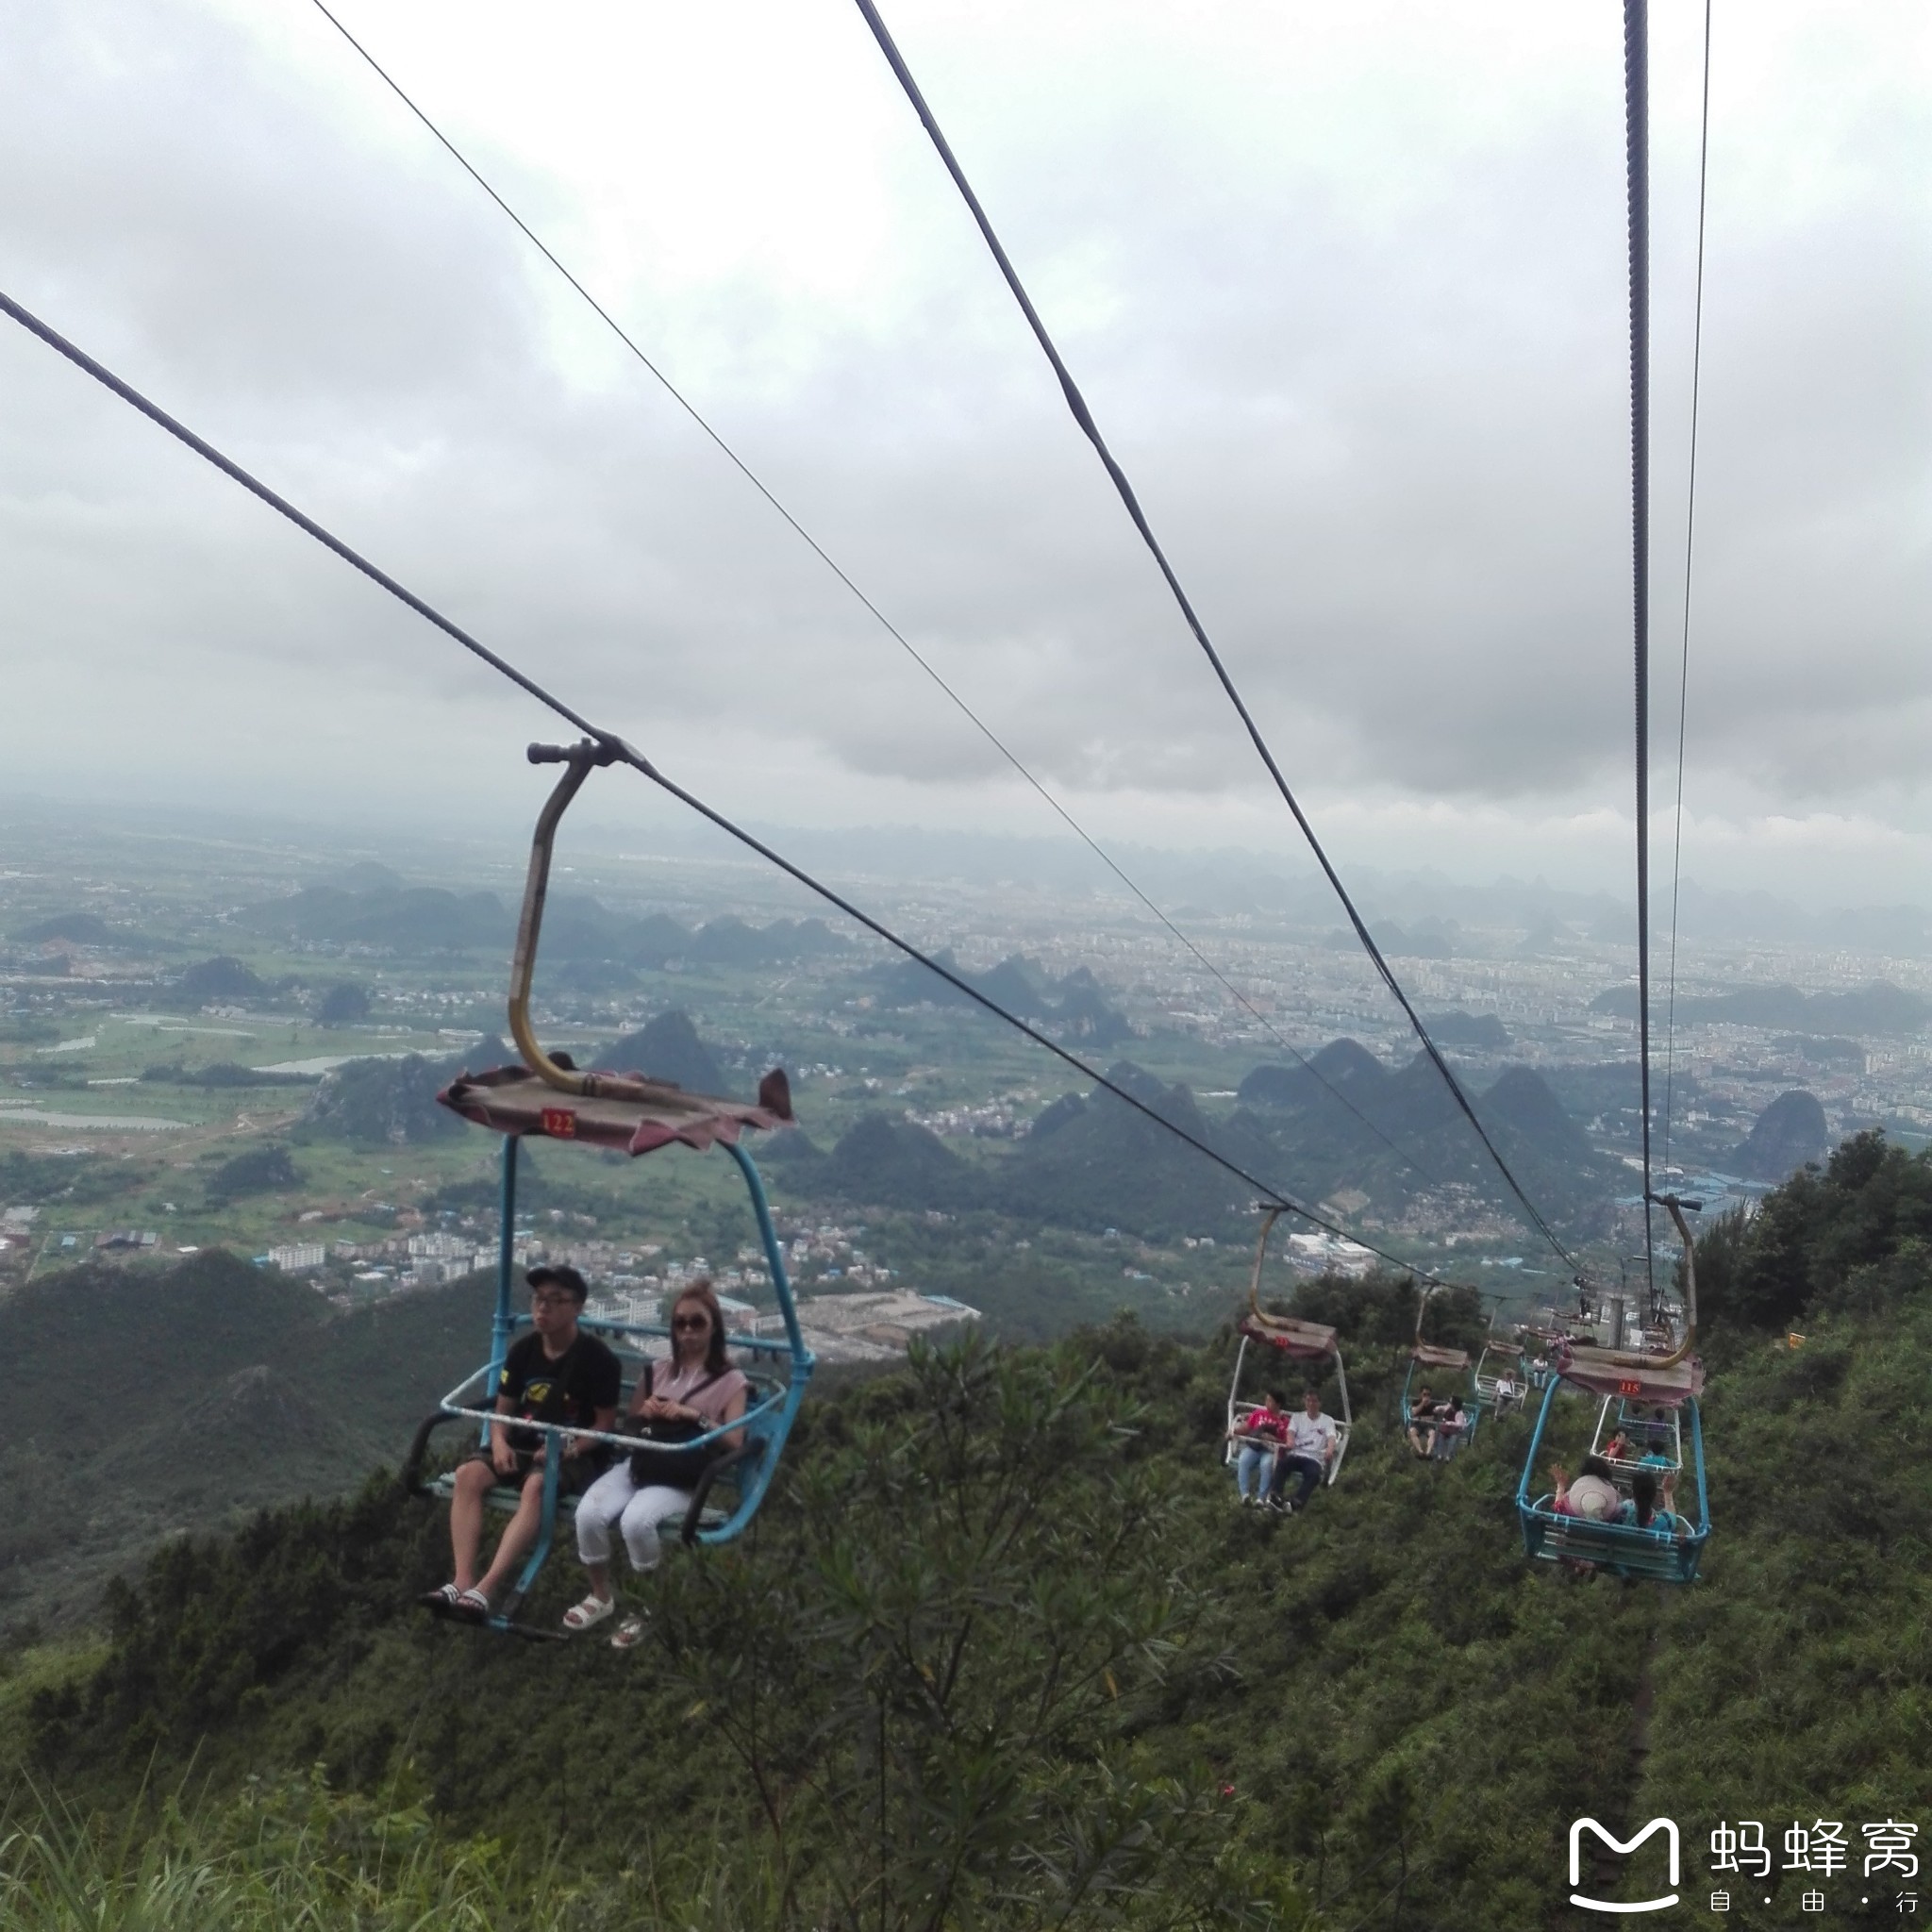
993	1566
343	1005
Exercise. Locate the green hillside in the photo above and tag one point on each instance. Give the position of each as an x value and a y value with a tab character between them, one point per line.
183	1400
1003	1652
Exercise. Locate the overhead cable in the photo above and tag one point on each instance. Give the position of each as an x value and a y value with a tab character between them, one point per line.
893	630
1084	417
1690	533
1637	154
625	754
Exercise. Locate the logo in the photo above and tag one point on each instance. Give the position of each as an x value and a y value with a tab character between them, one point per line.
1665	1826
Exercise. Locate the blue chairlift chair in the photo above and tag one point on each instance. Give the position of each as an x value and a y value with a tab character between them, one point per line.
546	1097
1651	1399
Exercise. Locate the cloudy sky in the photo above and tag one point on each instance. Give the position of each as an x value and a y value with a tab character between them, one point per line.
1345	285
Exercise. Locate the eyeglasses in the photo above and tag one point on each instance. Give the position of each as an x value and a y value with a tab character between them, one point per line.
691	1321
553	1301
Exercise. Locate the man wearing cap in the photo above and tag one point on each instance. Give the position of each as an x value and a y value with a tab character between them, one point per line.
557	1374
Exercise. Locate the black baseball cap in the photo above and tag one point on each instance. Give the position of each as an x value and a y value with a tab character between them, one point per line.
568	1279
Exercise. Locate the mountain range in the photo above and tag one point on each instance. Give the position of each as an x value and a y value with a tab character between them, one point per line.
1880	1008
1071	1005
373	907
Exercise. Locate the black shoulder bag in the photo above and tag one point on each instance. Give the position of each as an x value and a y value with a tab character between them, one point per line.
663	1459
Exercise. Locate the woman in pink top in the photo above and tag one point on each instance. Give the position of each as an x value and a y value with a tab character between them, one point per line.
696	1386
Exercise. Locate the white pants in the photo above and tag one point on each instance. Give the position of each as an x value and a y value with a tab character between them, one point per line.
617	1500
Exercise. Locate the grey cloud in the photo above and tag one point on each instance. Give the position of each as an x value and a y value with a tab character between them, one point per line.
1387	453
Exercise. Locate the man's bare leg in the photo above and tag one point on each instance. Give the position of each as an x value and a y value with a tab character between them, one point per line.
519	1534
474	1480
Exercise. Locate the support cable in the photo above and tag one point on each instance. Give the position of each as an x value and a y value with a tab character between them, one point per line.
1636	153
1683	671
1076	403
622	753
892	629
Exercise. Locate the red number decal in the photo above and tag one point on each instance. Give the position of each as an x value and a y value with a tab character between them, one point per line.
1629	1388
560	1123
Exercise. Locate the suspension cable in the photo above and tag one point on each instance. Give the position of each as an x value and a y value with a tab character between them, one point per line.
1076	403
622	752
892	629
1690	533
1637	155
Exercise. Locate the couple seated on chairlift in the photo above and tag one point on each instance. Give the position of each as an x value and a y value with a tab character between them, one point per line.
1435	1425
1275	1443
561	1374
1594	1497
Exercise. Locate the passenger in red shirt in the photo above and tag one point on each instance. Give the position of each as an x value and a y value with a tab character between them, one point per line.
1262	1434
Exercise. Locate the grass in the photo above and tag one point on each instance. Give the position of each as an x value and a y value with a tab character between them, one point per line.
298	1854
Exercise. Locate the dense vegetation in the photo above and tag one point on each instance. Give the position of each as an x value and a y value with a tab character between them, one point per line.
1001	1652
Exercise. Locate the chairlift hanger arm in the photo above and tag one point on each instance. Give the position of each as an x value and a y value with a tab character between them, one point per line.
577	762
1271	1213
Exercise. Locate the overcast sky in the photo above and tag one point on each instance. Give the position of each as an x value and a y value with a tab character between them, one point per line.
1345	285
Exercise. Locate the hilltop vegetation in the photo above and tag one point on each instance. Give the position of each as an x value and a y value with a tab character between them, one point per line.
1002	1651
210	1390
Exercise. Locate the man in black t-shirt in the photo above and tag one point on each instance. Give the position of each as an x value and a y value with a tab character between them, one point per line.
557	1374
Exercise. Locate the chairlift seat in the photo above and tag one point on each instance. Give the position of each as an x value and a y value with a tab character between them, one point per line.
1432	1355
505	1497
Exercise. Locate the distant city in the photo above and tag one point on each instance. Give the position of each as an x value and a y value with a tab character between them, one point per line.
211	1041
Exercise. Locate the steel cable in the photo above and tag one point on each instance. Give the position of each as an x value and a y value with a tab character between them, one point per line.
1076	403
1636	156
1690	535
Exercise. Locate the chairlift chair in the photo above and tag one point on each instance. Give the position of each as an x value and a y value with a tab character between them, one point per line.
1655	1395
547	1098
1497	1359
1431	1358
1289	1339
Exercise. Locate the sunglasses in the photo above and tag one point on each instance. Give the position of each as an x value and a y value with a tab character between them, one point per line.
691	1321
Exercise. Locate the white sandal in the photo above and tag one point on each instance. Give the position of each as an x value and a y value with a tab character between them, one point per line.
590	1613
629	1634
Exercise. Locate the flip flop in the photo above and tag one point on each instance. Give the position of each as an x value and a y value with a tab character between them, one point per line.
471	1607
590	1613
441	1602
